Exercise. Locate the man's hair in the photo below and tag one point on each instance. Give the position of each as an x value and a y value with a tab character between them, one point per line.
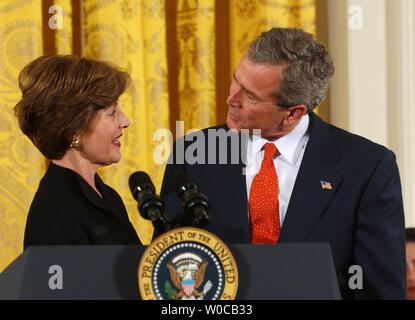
308	66
61	95
410	234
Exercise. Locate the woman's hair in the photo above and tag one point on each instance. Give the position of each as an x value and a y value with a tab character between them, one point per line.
61	95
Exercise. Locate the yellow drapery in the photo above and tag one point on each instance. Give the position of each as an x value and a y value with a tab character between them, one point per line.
180	54
132	35
21	165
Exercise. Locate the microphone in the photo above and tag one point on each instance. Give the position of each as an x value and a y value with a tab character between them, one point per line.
195	204
150	205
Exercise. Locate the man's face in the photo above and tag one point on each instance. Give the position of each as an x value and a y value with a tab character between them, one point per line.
251	101
410	270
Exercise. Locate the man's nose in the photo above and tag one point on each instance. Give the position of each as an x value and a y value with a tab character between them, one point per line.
234	98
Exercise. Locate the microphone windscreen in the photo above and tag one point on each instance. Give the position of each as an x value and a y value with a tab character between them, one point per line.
139	178
181	179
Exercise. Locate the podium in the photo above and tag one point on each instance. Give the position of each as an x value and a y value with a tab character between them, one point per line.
294	271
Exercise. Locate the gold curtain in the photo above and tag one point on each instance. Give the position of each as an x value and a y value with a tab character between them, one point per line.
180	54
63	37
250	18
132	35
195	34
21	165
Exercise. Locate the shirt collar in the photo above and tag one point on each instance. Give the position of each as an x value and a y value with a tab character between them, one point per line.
288	145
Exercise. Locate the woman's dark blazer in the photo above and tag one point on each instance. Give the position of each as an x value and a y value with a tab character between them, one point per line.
66	210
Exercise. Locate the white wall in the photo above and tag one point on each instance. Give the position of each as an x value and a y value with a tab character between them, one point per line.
373	90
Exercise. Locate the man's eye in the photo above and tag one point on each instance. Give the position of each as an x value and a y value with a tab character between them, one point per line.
251	97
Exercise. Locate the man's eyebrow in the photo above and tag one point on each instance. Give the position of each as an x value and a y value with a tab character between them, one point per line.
245	89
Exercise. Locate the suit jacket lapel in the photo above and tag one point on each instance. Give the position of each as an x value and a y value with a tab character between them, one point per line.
94	198
237	188
233	203
309	198
239	208
70	177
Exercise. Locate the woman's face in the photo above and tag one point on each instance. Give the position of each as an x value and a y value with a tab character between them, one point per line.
101	144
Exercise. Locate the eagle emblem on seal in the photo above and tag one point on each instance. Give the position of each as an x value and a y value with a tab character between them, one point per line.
187	273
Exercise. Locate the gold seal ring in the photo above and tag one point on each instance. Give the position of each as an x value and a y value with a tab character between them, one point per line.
187	264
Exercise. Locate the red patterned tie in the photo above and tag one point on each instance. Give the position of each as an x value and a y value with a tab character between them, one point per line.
263	201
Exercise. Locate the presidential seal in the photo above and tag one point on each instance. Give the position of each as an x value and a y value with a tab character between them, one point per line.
187	264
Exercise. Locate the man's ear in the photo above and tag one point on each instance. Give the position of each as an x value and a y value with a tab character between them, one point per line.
295	113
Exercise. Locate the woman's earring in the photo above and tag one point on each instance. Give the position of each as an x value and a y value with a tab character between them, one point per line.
75	143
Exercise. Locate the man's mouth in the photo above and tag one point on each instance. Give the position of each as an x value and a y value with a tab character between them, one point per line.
233	116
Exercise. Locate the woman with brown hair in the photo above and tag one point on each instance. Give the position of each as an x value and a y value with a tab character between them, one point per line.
69	110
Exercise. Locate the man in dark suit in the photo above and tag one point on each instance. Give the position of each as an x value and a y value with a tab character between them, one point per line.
299	179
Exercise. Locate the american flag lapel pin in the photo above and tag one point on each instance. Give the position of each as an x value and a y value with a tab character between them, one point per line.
326	185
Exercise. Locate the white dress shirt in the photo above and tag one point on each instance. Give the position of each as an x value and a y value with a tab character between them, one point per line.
287	161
